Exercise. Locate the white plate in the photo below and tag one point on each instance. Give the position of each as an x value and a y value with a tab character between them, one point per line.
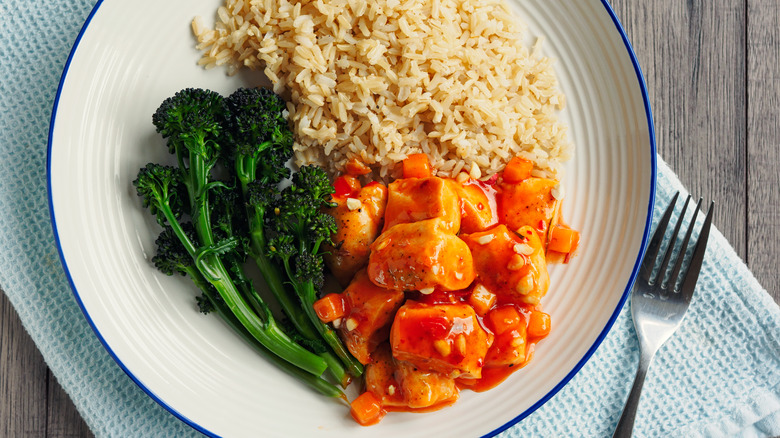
131	55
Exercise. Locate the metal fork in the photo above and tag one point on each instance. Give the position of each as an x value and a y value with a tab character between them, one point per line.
659	302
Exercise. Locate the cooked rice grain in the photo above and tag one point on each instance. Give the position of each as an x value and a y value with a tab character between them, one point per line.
382	79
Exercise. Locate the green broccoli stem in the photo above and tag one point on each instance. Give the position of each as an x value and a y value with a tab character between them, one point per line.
335	368
246	172
317	383
265	330
261	325
295	313
199	173
201	283
246	166
273	279
308	295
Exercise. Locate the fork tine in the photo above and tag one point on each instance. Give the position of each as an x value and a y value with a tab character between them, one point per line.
692	272
670	247
658	236
674	276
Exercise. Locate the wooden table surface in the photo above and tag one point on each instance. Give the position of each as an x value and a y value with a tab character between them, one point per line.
714	85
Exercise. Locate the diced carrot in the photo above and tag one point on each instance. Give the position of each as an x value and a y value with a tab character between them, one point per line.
517	170
346	186
330	307
356	167
538	324
366	409
504	318
417	166
481	299
563	239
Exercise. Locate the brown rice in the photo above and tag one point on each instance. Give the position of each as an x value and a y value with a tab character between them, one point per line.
381	79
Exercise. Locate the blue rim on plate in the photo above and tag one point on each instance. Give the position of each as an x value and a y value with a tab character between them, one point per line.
518	418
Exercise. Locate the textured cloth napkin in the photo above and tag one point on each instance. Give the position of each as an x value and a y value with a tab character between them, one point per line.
718	376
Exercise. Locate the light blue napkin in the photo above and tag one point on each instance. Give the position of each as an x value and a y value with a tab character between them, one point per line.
718	376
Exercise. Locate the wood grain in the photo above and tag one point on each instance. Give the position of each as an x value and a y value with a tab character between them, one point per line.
693	56
763	153
23	379
62	418
714	87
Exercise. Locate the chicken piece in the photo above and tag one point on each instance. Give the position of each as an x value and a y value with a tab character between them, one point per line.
380	377
529	202
511	265
420	256
478	207
401	384
446	338
509	345
418	199
359	221
425	389
369	311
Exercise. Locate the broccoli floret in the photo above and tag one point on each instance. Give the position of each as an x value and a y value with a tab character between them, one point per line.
158	186
171	257
211	225
314	183
300	228
260	136
160	190
260	147
261	195
193	123
192	119
310	268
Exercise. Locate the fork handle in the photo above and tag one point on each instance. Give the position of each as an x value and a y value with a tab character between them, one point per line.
625	426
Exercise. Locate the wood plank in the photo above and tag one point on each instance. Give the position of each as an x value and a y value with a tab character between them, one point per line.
22	379
32	403
692	54
63	419
763	48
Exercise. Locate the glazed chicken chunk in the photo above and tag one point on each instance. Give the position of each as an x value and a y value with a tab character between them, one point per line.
478	210
369	311
401	384
421	256
510	264
530	202
446	338
359	220
418	199
509	345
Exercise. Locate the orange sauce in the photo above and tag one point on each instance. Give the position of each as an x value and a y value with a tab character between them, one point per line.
493	376
431	408
439	328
